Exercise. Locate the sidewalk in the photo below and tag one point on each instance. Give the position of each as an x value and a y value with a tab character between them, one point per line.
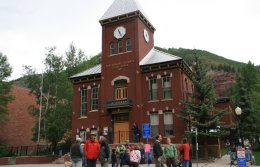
222	162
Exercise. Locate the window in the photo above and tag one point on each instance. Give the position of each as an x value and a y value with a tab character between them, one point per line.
154	119
128	45
83	134
186	89
153	88
112	48
120	47
94	98
168	124
83	102
166	87
120	89
121	93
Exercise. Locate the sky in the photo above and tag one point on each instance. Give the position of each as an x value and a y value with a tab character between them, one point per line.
229	28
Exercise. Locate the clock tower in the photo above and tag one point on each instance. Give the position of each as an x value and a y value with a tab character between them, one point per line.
134	85
127	37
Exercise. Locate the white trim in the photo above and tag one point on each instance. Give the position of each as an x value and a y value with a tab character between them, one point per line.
83	117
153	101
167	99
93	111
118	78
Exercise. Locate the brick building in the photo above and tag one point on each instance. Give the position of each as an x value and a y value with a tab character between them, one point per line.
135	83
17	129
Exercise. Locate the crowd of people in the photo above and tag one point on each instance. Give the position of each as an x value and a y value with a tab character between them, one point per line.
126	154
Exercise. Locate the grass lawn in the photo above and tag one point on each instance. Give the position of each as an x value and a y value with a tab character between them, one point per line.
257	157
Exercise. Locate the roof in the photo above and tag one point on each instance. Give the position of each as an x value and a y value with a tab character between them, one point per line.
155	56
121	7
91	71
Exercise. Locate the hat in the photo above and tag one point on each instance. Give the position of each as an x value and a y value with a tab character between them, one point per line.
78	139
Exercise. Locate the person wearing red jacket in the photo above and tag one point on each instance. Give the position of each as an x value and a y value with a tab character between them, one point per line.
92	150
185	150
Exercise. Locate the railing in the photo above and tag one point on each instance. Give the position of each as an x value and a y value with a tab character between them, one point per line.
122	136
28	150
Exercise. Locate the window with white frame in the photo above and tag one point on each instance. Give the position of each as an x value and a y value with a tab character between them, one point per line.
153	88
112	48
83	102
128	45
94	98
166	87
83	134
168	124
154	120
120	46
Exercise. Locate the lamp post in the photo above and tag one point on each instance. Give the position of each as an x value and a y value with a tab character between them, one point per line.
238	111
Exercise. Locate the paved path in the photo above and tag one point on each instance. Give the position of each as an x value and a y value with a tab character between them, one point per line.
222	162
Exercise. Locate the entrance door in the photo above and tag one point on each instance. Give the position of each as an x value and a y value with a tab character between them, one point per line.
121	132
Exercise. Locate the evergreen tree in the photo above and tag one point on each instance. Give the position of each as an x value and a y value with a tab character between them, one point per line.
245	97
199	111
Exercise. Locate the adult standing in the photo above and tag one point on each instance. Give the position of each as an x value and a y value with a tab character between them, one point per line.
170	153
185	149
92	150
83	157
110	135
136	132
104	152
135	156
228	146
157	151
76	153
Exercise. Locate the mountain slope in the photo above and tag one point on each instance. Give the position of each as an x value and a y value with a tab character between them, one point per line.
209	58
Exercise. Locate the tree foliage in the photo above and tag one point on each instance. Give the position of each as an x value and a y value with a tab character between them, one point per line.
5	87
198	109
57	92
245	94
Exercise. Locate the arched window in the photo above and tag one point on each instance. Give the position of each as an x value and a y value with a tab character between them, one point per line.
112	48
121	89
120	47
128	45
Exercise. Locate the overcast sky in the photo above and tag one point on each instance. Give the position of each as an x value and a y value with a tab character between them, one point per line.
229	28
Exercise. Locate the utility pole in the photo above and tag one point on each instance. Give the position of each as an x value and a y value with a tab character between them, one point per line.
40	114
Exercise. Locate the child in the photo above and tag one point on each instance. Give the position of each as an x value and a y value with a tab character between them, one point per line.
113	158
126	158
142	154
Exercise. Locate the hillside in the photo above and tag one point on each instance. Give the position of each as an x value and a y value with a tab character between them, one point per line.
214	61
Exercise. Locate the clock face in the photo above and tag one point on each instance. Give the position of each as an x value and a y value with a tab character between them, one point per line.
119	32
146	36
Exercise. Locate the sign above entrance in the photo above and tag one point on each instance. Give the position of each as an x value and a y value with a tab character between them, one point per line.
146	130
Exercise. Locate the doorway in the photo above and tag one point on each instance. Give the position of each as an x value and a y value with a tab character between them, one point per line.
121	132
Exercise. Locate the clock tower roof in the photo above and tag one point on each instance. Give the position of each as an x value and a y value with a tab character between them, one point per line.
122	9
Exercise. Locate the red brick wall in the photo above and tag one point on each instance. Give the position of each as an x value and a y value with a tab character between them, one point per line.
17	130
229	118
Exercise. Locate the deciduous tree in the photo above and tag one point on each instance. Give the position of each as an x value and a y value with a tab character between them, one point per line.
5	86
